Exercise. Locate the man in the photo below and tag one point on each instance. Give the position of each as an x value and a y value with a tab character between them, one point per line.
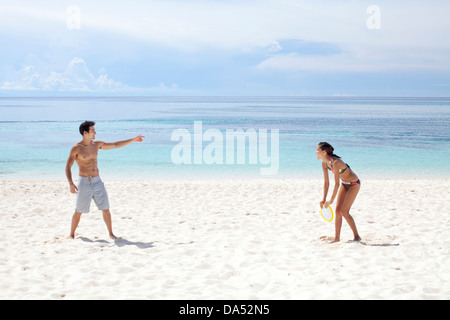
90	186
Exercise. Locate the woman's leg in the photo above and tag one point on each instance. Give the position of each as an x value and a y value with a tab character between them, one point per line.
344	210
345	200
338	219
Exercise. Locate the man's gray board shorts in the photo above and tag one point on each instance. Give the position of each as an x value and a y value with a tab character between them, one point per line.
91	188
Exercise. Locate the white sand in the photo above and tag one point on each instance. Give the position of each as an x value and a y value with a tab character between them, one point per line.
226	239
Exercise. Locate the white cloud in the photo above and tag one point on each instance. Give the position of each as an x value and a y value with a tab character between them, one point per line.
29	80
347	62
77	78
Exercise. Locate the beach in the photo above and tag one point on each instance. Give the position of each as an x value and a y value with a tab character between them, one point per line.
221	200
225	239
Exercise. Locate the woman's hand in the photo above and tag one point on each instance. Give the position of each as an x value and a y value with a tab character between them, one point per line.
321	204
328	203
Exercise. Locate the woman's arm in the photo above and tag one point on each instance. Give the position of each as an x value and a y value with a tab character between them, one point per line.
337	183
326	184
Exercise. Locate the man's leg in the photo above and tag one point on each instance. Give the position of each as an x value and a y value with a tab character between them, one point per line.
108	222
75	220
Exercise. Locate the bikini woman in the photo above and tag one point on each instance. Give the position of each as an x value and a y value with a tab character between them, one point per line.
348	189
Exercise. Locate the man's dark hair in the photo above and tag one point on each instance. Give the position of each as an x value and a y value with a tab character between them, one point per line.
85	126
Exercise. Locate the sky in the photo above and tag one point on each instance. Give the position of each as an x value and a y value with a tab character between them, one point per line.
225	48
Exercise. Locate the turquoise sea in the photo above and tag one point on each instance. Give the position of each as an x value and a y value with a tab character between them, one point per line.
377	137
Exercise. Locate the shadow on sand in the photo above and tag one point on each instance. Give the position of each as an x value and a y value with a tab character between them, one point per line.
379	244
120	242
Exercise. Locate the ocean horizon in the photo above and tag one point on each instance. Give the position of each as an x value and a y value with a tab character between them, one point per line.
379	137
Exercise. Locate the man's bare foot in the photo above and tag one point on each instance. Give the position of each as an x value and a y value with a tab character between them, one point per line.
113	237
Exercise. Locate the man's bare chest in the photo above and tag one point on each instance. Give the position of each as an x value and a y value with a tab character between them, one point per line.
87	153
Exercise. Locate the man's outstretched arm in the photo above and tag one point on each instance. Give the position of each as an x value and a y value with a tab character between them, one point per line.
118	144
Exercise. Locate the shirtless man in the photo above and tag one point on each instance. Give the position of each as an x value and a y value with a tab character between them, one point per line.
90	186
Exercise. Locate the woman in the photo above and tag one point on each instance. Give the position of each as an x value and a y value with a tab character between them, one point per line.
347	193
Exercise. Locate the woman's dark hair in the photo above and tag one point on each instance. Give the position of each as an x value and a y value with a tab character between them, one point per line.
325	146
85	126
